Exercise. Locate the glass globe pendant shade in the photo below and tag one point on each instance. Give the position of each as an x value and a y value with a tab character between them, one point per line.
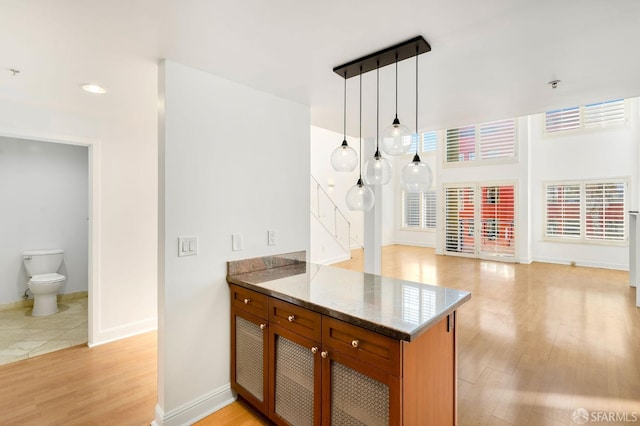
360	197
344	158
396	139
416	176
377	170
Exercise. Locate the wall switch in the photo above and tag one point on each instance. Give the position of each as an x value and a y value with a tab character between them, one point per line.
236	242
187	246
271	237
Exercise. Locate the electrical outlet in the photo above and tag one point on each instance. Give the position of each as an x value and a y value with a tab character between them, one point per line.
271	237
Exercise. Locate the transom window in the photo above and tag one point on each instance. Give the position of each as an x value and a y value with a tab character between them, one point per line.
591	116
487	141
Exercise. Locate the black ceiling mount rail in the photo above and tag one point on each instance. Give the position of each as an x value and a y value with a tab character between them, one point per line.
381	58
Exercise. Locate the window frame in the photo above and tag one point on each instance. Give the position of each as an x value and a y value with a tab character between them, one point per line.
582	238
581	129
421	209
477	160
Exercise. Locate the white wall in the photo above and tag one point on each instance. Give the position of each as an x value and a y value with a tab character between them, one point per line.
232	160
323	142
122	140
601	153
45	204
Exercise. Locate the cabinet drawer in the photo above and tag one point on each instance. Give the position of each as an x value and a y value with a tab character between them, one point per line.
294	318
375	349
249	301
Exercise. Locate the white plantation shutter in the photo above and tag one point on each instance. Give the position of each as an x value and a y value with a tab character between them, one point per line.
410	210
486	141
459	218
563	210
429	209
497	234
604	114
604	211
497	139
597	115
429	140
591	211
563	119
460	144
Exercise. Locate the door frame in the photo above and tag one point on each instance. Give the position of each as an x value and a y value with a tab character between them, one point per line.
93	279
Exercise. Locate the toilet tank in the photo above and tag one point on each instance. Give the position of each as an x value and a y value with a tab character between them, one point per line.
38	262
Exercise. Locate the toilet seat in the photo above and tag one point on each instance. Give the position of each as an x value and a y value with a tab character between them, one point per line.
47	278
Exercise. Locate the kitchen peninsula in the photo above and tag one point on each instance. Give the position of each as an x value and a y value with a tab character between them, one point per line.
317	345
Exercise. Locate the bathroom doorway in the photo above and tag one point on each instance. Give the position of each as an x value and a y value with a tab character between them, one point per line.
47	192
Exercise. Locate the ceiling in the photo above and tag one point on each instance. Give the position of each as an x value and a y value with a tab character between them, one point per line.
490	59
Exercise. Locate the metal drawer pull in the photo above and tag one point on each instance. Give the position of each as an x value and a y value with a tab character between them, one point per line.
314	350
246	301
324	354
263	326
291	318
355	343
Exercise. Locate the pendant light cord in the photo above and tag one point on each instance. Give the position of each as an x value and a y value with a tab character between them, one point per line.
377	106
396	84
417	133
344	119
360	122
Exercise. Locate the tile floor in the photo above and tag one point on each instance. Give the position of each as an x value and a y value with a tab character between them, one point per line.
23	336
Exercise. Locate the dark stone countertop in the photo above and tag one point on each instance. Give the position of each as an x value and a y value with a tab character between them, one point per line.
396	308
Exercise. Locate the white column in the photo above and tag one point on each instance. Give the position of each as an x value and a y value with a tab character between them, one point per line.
372	221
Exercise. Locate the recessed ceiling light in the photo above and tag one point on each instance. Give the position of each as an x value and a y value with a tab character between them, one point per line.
93	88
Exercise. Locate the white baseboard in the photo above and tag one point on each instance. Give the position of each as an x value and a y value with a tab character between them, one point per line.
589	264
123	331
414	243
334	259
195	410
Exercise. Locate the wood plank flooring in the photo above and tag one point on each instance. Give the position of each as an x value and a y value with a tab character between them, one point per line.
535	343
111	384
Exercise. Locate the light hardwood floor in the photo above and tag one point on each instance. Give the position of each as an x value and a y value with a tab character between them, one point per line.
535	343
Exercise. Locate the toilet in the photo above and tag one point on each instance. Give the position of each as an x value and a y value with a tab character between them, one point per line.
45	282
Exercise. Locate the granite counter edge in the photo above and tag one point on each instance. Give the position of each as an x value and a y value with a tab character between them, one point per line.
361	322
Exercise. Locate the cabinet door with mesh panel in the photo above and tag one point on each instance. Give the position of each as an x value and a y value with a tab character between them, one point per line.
249	350
355	393
294	378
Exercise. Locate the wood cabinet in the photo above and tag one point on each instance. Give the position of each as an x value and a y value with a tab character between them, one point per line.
299	367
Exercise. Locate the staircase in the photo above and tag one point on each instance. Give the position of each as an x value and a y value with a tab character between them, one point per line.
329	216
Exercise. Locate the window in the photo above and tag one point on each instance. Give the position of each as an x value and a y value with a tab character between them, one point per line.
598	115
586	211
419	210
480	220
487	141
426	141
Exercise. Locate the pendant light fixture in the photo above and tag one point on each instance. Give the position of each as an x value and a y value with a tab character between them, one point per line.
377	170
396	139
344	158
360	197
416	176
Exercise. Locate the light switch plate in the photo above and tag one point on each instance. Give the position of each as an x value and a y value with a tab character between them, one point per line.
187	246
236	242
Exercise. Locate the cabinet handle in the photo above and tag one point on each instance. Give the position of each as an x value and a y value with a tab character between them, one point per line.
324	354
263	326
314	350
291	318
246	301
355	343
